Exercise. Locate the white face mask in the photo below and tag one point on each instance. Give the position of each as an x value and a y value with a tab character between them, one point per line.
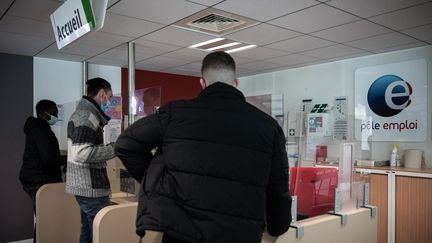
52	120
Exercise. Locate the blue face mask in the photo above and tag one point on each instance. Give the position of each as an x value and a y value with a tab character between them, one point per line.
105	106
52	120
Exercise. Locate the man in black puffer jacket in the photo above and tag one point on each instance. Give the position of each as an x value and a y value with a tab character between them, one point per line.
41	160
220	171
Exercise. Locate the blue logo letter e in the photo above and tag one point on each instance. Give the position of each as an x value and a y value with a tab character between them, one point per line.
389	95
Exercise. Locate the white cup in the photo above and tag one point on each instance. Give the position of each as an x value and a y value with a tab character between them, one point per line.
413	158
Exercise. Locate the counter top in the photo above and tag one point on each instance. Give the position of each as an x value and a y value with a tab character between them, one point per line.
402	169
123	198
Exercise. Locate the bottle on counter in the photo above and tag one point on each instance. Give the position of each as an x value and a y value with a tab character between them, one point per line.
394	157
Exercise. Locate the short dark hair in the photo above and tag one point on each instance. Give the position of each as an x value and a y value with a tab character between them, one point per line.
44	106
96	84
218	60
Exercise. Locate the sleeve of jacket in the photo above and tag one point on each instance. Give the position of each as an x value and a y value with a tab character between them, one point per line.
135	144
278	196
48	148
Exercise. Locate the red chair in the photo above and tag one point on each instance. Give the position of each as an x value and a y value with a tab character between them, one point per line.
314	188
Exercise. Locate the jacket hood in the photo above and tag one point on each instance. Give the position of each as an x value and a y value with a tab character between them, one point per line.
33	122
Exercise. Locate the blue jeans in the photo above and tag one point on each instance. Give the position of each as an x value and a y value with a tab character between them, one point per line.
89	207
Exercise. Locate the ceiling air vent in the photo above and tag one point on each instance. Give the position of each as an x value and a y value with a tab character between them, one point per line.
215	21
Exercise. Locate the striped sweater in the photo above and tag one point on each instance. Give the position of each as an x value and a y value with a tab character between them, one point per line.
87	155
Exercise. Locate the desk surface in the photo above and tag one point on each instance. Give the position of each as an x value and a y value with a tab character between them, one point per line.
123	198
403	169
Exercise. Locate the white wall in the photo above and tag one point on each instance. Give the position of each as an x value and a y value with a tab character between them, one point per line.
61	82
325	81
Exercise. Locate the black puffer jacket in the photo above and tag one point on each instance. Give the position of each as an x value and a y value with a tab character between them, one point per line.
41	159
220	172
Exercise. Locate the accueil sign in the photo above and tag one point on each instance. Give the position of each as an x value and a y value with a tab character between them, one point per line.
76	18
391	102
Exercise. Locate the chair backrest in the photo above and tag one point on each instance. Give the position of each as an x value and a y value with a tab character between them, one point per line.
314	188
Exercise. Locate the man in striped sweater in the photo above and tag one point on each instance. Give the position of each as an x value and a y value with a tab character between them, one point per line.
86	175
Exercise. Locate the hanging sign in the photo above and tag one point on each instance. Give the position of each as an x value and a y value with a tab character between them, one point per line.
76	18
391	102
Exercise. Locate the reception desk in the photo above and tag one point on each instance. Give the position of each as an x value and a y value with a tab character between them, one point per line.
58	220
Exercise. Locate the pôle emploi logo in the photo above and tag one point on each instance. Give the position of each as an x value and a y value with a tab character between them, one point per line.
388	96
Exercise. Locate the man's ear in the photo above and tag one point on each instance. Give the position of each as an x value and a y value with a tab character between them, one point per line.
100	93
203	83
236	83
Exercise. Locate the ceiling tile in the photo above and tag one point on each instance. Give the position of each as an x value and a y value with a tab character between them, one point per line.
148	67
132	27
260	65
4	5
259	53
313	19
179	71
352	31
37	10
94	44
263	10
21	44
422	33
152	48
26	27
262	34
160	11
406	18
109	62
206	2
382	41
176	36
111	2
61	56
121	53
368	8
299	44
189	54
332	51
360	54
291	59
240	60
162	61
193	66
401	47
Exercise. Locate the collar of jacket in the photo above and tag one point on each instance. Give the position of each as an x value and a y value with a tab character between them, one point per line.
89	103
220	90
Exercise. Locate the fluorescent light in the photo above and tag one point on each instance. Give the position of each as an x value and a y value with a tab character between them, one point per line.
240	48
207	42
223	46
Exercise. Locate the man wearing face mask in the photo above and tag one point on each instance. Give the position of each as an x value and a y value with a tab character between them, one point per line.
86	176
41	159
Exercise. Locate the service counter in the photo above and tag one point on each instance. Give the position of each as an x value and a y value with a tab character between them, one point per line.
58	220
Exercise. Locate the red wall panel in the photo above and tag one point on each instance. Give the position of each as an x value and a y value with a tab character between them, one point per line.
174	87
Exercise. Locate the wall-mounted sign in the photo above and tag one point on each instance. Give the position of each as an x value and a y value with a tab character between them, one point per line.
75	18
391	102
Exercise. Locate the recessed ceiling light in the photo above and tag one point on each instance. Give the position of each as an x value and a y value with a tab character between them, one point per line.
206	42
240	48
224	46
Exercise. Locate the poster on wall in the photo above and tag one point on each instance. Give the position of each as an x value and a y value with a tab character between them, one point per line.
147	100
391	102
115	109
